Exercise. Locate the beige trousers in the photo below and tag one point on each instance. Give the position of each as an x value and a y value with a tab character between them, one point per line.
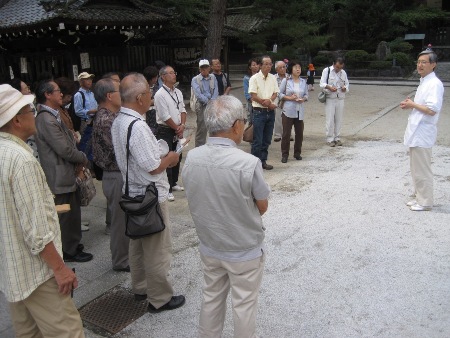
244	280
150	259
422	176
46	313
334	111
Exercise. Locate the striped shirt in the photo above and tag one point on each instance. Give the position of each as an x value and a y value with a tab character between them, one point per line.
28	220
144	154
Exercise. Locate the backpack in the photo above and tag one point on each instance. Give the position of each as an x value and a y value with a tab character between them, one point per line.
198	78
76	120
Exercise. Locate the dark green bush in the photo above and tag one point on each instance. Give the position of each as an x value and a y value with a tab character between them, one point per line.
320	60
352	57
399	45
380	65
402	59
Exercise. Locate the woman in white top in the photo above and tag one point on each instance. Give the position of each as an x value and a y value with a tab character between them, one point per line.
293	93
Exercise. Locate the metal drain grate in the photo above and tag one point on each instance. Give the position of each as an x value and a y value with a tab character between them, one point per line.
114	310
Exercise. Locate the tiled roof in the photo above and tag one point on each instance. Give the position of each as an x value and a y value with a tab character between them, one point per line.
25	13
243	23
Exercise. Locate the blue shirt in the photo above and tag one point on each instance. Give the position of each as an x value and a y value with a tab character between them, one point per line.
204	94
89	104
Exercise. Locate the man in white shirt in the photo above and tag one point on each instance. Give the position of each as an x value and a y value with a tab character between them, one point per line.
171	119
334	83
421	131
149	256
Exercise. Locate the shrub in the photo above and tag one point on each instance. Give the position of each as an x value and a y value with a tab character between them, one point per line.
402	59
380	65
320	60
352	57
399	45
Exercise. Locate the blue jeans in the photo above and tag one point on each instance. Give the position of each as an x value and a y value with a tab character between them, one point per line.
263	122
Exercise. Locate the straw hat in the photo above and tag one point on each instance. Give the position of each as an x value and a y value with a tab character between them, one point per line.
11	101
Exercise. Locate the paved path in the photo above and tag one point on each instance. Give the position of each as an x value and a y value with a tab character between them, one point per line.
346	258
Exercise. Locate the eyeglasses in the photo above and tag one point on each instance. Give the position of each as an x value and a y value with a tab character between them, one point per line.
56	90
32	110
422	62
171	73
139	96
113	91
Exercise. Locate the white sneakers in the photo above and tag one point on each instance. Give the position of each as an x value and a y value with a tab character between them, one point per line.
414	206
171	197
177	188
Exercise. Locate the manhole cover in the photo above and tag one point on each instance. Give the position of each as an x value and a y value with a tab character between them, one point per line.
114	310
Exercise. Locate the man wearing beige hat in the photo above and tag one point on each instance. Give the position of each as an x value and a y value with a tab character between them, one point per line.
34	278
205	89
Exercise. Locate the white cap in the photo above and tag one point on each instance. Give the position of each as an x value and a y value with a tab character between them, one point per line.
85	75
203	62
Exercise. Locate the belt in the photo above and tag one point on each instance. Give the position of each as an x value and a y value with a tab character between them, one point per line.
262	109
163	126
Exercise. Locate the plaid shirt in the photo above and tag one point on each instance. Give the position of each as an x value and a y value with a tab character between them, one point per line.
144	154
28	220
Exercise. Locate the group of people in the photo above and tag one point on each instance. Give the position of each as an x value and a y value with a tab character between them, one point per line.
35	240
275	104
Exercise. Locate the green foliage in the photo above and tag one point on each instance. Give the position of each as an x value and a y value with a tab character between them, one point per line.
399	45
416	17
321	60
186	11
380	65
402	59
356	56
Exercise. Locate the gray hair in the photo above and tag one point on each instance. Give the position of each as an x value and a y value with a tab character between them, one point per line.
163	70
278	62
221	113
432	56
45	86
102	88
131	86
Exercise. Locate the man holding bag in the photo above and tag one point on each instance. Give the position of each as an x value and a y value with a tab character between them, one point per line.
150	256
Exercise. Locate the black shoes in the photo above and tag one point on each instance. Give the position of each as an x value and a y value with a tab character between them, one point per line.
174	303
277	139
284	160
125	269
139	298
298	157
80	257
267	166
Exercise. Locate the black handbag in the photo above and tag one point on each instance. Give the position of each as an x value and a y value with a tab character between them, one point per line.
143	212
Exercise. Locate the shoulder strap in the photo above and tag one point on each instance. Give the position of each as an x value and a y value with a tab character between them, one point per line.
44	111
328	76
128	152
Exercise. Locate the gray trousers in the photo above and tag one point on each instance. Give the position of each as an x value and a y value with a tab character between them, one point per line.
112	183
201	133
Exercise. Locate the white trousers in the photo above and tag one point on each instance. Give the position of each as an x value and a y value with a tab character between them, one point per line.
244	280
334	111
422	176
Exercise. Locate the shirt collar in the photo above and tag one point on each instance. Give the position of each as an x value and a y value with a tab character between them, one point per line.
84	90
221	141
428	77
51	110
132	112
15	139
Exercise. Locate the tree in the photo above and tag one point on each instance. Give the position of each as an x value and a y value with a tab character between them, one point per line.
215	29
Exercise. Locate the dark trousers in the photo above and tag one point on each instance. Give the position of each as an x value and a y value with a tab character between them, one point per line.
70	222
286	137
168	134
263	122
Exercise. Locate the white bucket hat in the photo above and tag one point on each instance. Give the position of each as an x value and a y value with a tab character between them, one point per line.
11	101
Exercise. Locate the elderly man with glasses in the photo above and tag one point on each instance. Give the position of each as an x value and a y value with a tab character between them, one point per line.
421	131
171	119
61	160
34	279
227	195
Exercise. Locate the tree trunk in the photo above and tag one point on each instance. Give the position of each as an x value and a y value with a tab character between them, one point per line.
215	29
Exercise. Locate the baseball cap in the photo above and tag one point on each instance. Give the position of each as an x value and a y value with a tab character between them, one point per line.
203	62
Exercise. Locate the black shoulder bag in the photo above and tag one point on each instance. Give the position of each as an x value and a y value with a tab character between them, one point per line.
143	212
